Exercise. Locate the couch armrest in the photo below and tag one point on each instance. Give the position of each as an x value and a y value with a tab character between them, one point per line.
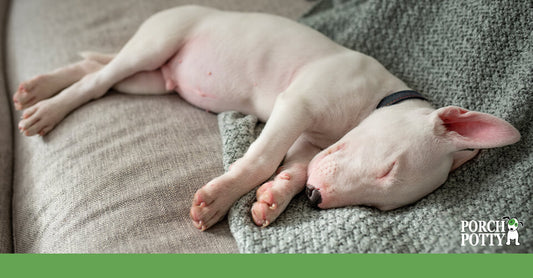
6	146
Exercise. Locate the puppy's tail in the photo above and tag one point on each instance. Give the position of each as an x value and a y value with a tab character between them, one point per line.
101	58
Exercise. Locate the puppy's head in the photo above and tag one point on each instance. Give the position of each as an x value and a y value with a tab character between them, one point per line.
399	154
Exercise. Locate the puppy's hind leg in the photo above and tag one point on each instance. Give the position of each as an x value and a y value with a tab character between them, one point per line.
46	85
158	38
142	83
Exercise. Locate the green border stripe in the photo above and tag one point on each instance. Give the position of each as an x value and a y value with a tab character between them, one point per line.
263	265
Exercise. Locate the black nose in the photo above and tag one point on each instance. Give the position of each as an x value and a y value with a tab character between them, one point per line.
313	194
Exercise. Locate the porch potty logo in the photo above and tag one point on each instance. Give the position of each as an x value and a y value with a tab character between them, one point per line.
490	233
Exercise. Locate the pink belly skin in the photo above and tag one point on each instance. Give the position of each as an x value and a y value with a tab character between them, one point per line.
210	73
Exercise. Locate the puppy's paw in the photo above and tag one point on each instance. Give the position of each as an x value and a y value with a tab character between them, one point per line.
40	118
34	90
274	196
213	201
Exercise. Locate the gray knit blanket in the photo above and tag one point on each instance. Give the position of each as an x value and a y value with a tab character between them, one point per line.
474	54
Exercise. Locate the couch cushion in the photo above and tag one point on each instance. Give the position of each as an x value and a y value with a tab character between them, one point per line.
6	149
118	174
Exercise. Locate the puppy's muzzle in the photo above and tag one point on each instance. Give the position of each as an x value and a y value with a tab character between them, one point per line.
314	195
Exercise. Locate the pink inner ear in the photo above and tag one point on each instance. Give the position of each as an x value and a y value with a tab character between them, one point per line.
470	127
477	130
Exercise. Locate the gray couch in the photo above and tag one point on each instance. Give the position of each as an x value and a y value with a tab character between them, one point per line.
118	174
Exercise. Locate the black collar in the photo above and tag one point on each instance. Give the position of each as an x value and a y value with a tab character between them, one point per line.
399	97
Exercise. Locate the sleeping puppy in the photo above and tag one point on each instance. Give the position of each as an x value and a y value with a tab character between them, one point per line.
346	129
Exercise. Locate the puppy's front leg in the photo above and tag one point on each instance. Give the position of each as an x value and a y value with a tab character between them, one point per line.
274	196
287	121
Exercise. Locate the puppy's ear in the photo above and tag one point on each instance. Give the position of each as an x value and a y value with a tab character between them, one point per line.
473	130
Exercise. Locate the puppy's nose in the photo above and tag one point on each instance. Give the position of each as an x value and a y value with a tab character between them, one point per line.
314	195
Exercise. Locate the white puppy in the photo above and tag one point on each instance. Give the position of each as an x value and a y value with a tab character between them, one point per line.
318	98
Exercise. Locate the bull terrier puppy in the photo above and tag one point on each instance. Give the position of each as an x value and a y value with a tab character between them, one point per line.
318	100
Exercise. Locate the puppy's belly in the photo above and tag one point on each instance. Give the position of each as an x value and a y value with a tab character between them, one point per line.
221	74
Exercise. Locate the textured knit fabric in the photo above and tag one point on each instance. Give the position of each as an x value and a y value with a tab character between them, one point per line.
6	149
474	54
117	174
